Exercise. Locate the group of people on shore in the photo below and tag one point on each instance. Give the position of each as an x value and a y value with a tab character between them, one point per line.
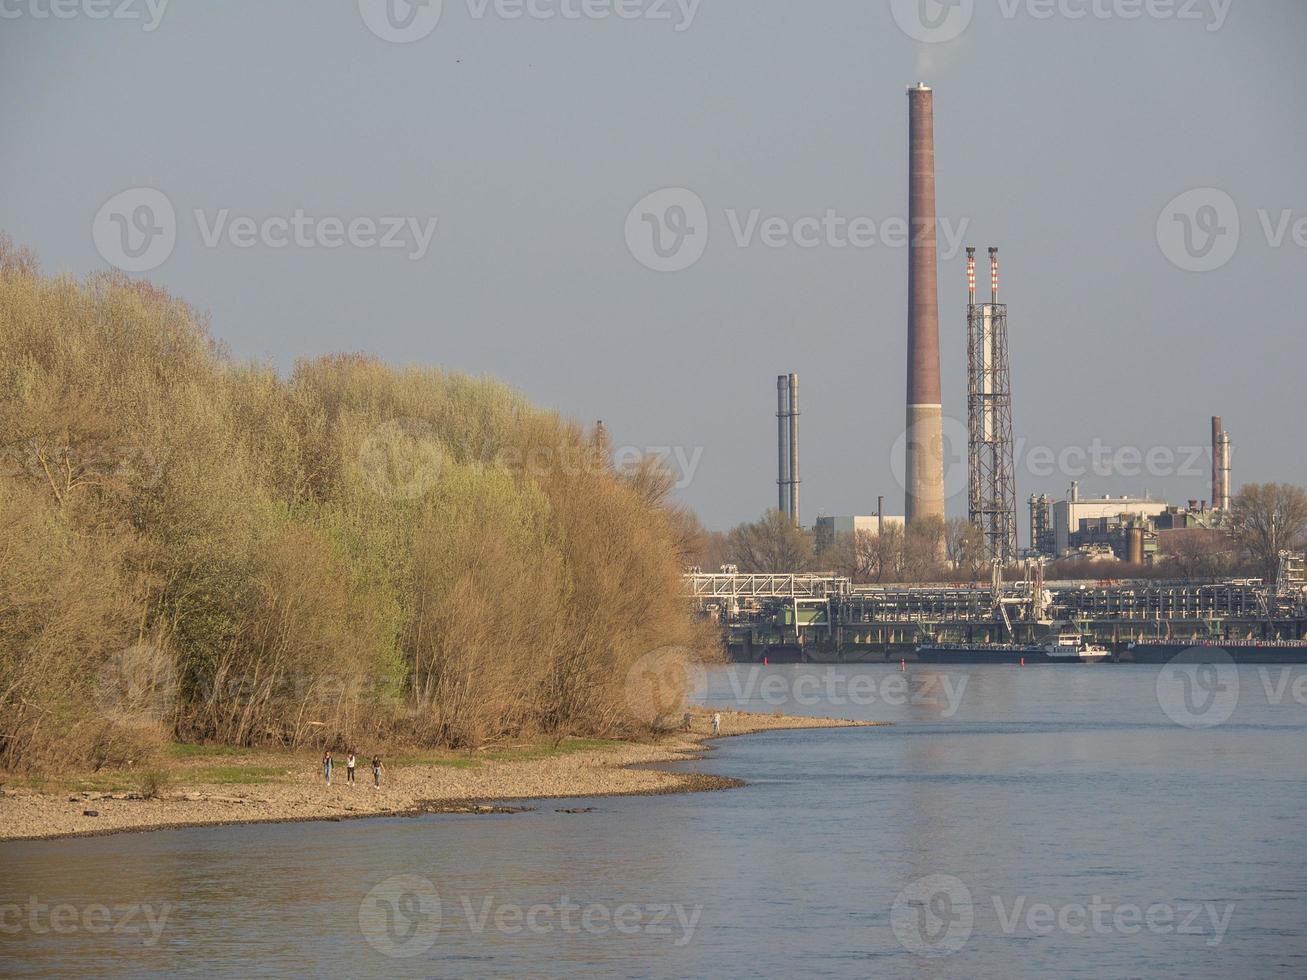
328	764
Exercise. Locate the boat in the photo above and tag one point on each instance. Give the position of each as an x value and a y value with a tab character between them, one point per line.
1219	651
1069	647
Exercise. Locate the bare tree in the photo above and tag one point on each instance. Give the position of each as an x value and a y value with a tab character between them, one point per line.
1267	518
770	544
964	544
923	546
1197	553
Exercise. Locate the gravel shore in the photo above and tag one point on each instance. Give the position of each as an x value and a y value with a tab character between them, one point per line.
616	769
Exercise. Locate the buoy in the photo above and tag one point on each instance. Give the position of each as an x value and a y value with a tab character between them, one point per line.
1023	661
903	665
764	662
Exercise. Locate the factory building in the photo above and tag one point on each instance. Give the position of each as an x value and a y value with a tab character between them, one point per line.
1128	529
832	528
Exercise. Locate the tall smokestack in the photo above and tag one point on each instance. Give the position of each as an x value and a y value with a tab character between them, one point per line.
1218	439
971	276
924	460
794	450
783	444
993	273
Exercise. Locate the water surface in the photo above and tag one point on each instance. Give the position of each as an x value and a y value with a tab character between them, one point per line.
936	847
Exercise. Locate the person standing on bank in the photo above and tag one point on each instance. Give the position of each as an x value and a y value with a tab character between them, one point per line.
716	722
349	767
326	766
377	769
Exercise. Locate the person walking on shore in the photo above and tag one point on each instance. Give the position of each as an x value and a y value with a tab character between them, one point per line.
349	768
716	722
326	766
377	768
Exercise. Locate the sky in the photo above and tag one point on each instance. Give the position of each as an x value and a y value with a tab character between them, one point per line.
643	211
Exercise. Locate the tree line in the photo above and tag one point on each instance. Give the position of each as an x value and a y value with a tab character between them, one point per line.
197	547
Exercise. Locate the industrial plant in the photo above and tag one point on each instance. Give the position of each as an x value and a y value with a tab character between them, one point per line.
817	616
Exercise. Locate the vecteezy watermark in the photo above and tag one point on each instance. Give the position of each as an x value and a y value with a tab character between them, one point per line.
1200	230
137	684
136	230
406	21
1098	458
668	230
401	21
403	459
1199	688
149	12
63	463
941	21
1202	688
936	916
838	688
401	917
40	919
933	916
660	684
933	21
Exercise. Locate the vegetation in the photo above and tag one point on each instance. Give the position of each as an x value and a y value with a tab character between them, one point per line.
1267	518
197	549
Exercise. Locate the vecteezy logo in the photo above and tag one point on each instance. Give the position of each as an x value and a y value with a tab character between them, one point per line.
660	684
401	459
1199	230
933	21
401	916
136	230
138	684
401	21
952	447
1199	687
933	916
668	230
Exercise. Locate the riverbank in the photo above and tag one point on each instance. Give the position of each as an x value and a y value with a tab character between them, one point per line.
211	787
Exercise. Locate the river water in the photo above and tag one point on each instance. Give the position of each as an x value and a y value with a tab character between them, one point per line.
1101	821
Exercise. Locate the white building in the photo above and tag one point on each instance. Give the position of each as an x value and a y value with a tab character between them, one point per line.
1067	514
837	527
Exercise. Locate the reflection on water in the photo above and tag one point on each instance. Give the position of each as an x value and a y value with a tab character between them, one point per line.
943	846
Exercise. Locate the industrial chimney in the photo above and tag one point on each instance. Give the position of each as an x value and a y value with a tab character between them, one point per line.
1220	465
783	444
924	462
787	446
794	449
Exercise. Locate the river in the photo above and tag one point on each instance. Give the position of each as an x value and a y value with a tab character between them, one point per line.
1099	821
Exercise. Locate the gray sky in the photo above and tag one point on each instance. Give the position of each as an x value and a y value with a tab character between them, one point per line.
1062	139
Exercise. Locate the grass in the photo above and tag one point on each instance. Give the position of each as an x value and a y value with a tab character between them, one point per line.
181	750
235	775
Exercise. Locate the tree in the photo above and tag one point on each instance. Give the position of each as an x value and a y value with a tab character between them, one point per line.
1267	518
770	544
923	546
964	543
1197	553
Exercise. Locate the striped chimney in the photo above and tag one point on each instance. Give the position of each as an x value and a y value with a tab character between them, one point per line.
993	273
971	276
